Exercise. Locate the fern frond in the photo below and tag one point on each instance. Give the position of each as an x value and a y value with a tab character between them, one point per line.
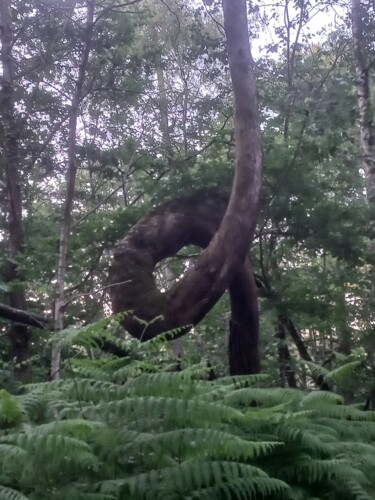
240	381
163	338
261	397
356	430
315	369
187	477
79	428
52	445
307	440
73	493
133	370
31	405
180	410
94	391
357	492
90	336
307	470
315	399
10	411
201	442
9	494
87	368
250	489
344	373
346	412
162	384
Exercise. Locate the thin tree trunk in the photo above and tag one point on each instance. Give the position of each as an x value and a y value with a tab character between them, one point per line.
18	334
163	109
366	115
177	343
70	182
302	349
285	361
291	49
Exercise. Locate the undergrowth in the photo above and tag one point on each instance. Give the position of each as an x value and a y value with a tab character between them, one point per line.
116	429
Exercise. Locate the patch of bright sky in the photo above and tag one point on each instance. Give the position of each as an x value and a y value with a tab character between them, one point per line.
322	19
324	15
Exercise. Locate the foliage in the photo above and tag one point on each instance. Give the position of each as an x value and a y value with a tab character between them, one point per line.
175	435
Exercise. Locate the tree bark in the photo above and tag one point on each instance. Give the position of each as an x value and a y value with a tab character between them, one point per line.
70	181
18	334
24	317
285	361
244	355
288	324
190	220
187	302
366	114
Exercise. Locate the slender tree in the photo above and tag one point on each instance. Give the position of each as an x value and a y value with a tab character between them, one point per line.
18	334
71	173
365	110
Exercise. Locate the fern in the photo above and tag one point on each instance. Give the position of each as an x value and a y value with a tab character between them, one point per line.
183	478
201	442
105	435
9	494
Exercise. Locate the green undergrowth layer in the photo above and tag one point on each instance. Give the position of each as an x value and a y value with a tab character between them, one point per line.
102	433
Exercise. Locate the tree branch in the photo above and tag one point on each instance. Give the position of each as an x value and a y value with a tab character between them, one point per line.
25	317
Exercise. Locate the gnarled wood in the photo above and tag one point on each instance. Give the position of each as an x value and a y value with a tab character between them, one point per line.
191	220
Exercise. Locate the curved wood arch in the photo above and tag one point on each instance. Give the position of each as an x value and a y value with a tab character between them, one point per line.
190	220
225	229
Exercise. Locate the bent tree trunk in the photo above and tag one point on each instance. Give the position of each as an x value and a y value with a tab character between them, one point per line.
224	230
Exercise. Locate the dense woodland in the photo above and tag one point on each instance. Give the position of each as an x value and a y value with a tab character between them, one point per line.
187	238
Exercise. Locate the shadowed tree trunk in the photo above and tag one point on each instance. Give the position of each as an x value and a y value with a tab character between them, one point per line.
70	184
289	326
244	355
365	111
286	371
195	221
18	334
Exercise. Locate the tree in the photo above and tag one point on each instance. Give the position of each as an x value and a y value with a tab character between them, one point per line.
70	181
365	110
18	334
222	262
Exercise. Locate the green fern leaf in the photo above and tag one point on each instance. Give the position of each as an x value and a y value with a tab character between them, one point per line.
185	478
344	373
9	494
261	397
315	399
357	492
247	489
201	442
181	410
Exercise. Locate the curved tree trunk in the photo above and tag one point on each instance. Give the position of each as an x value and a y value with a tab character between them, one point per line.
199	220
161	234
